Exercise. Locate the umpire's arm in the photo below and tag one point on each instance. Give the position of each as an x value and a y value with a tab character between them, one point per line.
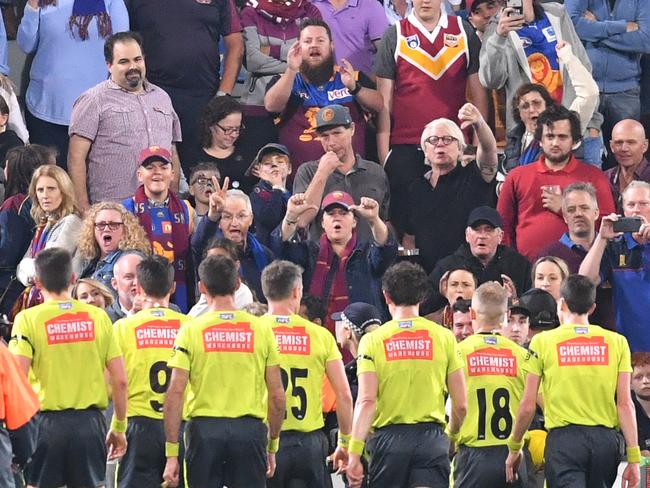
277	400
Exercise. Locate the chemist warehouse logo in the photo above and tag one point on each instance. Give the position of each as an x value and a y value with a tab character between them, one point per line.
583	351
156	333
292	340
409	345
70	328
228	337
492	362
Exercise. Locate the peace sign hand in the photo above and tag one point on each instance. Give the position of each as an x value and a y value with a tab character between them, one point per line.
217	198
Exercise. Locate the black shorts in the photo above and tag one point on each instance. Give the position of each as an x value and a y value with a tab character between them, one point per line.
581	456
144	462
300	462
70	450
485	466
405	456
223	451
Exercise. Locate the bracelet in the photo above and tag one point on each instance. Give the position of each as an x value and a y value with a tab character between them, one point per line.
274	445
356	447
290	222
171	449
634	454
118	425
344	440
357	88
515	446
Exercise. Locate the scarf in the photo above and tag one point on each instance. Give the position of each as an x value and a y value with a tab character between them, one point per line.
329	280
83	12
277	13
257	249
530	154
180	236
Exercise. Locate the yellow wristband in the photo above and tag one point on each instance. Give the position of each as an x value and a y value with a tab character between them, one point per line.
274	445
356	447
344	440
634	454
515	446
171	449
118	425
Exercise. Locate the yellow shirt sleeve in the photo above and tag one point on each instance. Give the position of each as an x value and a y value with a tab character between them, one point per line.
332	351
625	360
180	357
455	358
532	362
114	350
22	340
273	357
366	357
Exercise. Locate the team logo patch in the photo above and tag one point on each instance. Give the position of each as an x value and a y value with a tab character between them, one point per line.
581	330
405	324
490	340
549	34
409	345
292	340
228	337
583	351
156	333
413	41
226	316
70	328
157	313
526	42
282	320
451	40
328	114
65	306
167	227
492	362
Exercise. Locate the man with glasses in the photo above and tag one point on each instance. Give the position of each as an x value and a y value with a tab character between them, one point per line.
622	260
440	202
530	201
340	168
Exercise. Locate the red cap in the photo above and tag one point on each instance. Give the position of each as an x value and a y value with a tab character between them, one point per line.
155	153
339	198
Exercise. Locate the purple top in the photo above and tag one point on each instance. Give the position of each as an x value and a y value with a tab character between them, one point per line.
120	124
642	173
354	27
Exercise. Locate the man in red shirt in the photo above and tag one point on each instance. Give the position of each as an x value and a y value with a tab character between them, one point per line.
530	202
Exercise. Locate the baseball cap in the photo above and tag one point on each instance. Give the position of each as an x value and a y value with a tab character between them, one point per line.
337	198
270	148
155	153
470	5
332	116
359	316
484	215
540	306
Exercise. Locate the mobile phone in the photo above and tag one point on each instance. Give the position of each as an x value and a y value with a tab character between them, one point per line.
516	6
628	224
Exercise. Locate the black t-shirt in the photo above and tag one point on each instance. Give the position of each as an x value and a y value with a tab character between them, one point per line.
438	216
642	425
181	39
8	140
234	167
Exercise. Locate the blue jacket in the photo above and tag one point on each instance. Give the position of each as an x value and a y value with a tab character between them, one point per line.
102	269
16	231
614	53
269	206
363	271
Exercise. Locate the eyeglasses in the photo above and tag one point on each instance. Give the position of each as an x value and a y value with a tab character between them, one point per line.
443	141
534	104
231	130
108	225
226	217
202	181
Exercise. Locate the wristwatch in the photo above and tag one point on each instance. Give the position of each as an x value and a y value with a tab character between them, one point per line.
357	88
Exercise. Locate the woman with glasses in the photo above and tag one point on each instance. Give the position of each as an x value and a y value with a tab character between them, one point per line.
108	230
55	212
221	127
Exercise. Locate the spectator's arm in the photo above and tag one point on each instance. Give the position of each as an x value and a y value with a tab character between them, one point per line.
176	165
381	257
234	44
634	41
28	30
277	96
478	94
314	189
257	61
369	98
270	209
493	60
591	30
590	266
507	207
586	89
385	87
77	153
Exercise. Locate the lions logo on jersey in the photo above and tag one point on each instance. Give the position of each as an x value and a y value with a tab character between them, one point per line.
413	41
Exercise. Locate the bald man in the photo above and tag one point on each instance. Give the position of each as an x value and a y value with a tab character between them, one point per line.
628	145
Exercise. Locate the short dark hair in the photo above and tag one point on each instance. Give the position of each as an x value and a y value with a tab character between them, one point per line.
579	293
223	243
155	275
464	267
556	113
218	108
21	163
54	269
4	108
123	37
525	89
313	22
461	306
405	283
204	166
218	275
315	307
279	278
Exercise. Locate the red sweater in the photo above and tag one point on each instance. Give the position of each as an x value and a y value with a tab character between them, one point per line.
529	227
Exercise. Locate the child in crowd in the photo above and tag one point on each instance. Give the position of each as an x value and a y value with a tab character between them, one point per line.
201	186
167	220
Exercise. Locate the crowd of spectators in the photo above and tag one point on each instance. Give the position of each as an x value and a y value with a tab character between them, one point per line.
483	143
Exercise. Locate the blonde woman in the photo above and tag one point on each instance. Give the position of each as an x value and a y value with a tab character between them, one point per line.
548	273
92	292
108	230
55	212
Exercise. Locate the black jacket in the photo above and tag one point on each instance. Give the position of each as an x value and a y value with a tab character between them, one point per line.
506	261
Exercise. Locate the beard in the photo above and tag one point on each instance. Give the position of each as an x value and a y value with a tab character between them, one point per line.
560	158
320	73
133	82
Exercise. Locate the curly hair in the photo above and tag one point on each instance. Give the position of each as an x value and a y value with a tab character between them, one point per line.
134	237
216	110
68	198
